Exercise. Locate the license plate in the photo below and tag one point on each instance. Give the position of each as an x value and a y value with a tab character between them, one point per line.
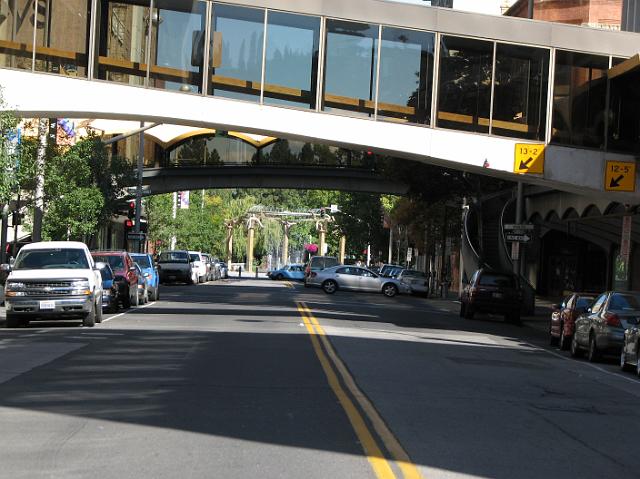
498	295
47	305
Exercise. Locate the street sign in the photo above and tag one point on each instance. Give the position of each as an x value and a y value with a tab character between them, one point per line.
620	176
518	238
136	236
529	159
519	227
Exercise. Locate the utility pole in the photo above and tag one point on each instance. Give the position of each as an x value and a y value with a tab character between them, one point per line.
174	213
38	212
3	234
343	248
390	245
139	188
230	225
530	10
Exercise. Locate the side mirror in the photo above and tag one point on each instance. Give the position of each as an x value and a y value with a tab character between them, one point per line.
101	265
132	269
589	310
5	268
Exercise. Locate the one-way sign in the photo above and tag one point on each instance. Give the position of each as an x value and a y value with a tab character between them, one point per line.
518	238
518	227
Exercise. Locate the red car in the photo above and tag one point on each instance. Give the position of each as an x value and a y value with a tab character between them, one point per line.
564	317
126	275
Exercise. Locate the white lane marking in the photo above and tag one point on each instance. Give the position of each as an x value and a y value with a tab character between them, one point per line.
128	311
573	361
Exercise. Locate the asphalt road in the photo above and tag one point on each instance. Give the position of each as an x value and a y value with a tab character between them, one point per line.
252	378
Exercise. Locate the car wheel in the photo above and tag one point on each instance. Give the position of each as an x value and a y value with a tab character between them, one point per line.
576	352
156	293
552	339
638	361
89	320
463	309
98	307
513	317
136	299
12	321
330	286
593	353
389	290
280	277
114	307
623	361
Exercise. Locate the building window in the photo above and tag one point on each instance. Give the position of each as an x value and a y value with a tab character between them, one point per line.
520	92
579	98
464	98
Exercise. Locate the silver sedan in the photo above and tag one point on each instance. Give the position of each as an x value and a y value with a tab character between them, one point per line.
354	278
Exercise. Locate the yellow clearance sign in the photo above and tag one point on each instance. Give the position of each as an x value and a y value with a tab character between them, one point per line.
529	159
620	176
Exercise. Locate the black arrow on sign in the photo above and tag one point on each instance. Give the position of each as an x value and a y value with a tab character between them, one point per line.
616	183
524	165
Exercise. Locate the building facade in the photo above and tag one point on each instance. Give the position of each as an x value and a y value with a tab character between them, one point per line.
589	13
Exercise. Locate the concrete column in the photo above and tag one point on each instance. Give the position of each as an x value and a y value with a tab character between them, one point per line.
250	241
343	248
390	260
285	246
229	244
323	238
3	234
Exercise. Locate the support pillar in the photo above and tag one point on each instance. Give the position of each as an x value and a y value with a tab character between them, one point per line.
285	245
229	243
322	234
250	240
140	168
390	261
343	248
519	204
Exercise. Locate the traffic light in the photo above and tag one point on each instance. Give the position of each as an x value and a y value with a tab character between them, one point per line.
128	226
16	218
131	210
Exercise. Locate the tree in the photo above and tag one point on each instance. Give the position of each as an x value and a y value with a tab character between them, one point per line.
8	156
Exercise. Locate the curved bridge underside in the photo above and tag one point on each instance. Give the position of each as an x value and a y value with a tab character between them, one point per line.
167	180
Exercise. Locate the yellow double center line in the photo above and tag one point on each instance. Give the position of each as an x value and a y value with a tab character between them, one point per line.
331	363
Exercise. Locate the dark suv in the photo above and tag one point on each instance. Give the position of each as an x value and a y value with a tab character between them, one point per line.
125	273
492	292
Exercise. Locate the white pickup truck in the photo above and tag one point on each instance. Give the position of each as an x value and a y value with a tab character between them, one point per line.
53	280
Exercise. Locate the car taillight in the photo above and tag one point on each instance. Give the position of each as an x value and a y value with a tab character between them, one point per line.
612	319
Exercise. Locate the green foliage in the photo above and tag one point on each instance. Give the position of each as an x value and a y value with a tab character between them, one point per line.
83	187
8	158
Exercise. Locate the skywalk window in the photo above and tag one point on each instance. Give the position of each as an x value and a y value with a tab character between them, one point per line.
15	31
236	52
350	68
406	75
464	99
291	71
520	92
579	99
177	36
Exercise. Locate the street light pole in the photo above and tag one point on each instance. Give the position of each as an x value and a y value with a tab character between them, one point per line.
139	188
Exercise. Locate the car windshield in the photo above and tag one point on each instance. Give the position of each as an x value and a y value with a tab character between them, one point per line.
51	259
112	260
624	302
142	260
492	279
584	301
194	256
174	257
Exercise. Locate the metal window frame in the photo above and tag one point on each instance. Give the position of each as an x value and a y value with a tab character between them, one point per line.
263	71
435	89
378	59
493	85
93	30
206	52
321	63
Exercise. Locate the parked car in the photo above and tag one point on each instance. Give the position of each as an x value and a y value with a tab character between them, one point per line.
355	278
630	354
53	280
492	292
176	266
289	271
150	272
318	263
199	266
125	274
110	301
224	270
143	286
564	317
390	270
416	280
601	329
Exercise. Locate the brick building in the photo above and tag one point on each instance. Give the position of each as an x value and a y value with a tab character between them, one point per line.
589	13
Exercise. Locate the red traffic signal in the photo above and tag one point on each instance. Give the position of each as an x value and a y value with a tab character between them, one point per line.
128	224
